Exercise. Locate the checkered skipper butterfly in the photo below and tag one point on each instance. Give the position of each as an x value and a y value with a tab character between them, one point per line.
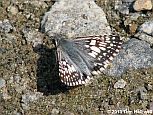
81	58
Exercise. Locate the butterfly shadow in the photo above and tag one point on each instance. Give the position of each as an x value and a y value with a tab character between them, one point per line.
48	80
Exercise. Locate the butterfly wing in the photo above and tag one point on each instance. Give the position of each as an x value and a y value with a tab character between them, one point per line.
95	51
102	48
68	72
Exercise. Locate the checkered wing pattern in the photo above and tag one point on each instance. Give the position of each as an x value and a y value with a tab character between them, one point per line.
70	75
93	54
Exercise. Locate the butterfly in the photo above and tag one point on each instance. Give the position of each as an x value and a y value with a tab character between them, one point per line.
82	58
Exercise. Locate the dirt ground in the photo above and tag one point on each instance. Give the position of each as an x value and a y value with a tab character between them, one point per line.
25	72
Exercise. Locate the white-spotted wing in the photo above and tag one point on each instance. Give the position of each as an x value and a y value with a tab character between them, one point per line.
84	57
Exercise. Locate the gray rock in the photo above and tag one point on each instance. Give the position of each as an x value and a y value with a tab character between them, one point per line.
15	112
68	113
75	18
123	6
142	93
120	84
144	37
55	111
2	82
30	97
10	38
147	27
25	106
151	106
146	32
135	54
17	78
2	50
134	16
5	26
124	9
148	87
32	36
128	1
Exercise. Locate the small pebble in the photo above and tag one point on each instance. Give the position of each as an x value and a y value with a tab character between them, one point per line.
148	87
32	36
5	26
147	27
68	113
123	6
55	111
133	27
134	16
145	32
120	84
140	5
142	93
30	97
2	83
151	106
13	10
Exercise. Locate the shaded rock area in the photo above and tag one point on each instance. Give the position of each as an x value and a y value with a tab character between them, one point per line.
28	65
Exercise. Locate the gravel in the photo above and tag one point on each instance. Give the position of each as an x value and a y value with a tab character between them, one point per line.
27	85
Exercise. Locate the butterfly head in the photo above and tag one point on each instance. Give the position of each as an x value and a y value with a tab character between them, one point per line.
56	38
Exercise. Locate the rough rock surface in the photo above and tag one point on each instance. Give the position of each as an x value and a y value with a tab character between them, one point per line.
75	18
142	5
5	26
124	6
146	32
26	72
135	54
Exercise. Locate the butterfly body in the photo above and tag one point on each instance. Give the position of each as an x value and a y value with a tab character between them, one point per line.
81	58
